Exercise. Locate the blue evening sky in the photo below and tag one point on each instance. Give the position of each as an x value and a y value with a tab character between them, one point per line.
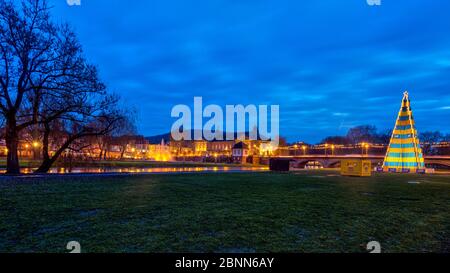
329	64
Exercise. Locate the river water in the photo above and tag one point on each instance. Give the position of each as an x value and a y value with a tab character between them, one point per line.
135	170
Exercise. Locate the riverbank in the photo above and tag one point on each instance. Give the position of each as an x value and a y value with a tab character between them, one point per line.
132	171
31	163
130	166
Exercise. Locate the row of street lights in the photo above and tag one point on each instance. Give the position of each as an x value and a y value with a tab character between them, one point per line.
365	146
303	148
364	149
35	144
332	149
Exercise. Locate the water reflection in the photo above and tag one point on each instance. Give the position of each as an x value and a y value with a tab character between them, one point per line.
146	170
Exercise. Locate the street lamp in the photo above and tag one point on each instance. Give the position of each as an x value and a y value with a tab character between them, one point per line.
326	149
36	152
295	149
332	150
363	145
367	148
304	149
26	149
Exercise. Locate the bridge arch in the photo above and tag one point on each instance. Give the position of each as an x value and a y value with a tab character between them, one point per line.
301	164
437	164
324	163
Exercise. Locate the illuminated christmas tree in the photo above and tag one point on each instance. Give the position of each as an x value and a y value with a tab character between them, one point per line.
404	153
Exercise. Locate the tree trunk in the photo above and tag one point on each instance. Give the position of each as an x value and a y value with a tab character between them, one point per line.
48	161
45	142
45	166
105	154
12	143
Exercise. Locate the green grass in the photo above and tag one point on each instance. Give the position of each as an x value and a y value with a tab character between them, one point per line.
232	212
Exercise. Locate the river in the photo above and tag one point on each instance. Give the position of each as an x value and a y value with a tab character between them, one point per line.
136	170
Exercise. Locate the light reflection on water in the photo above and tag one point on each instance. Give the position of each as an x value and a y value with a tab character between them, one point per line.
146	170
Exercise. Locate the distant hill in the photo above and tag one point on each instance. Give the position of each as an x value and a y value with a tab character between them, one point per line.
157	139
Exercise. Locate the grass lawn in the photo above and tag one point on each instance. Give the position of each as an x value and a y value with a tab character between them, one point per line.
232	212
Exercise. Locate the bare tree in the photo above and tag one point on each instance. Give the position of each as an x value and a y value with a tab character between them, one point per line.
364	133
34	56
97	115
341	140
384	137
428	139
46	84
120	134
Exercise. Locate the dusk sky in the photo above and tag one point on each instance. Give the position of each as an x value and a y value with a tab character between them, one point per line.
329	64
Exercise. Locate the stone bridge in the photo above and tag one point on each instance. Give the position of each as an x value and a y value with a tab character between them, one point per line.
334	161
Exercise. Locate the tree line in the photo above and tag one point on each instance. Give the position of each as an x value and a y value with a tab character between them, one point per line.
360	134
48	90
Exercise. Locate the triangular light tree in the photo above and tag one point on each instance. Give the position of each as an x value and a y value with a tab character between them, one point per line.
404	153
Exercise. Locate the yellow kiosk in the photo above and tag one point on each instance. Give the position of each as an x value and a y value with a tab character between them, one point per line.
356	167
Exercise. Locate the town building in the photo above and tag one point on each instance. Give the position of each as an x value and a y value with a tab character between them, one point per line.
240	152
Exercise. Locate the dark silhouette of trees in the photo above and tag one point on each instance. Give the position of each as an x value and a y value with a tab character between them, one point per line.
427	140
282	142
27	53
338	140
97	116
360	134
363	133
384	137
47	86
121	135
